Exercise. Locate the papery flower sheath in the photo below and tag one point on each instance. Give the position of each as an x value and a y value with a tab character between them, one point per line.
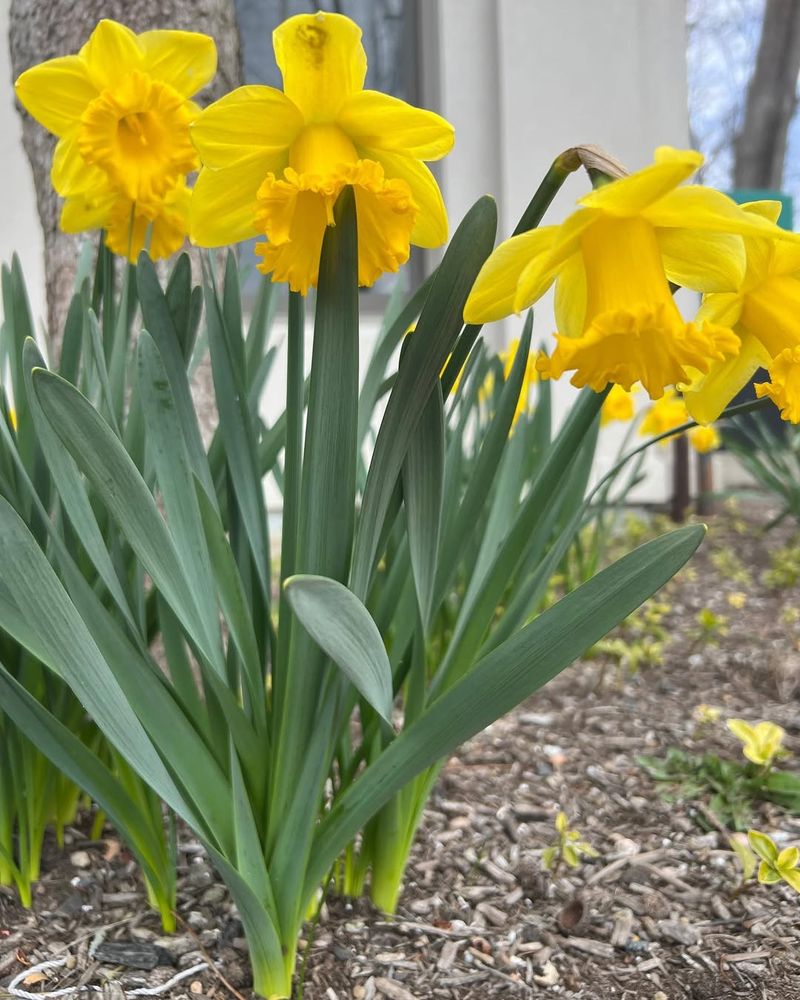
612	261
121	110
764	311
274	162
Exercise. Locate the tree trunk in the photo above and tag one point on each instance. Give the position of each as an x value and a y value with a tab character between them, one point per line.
39	31
760	147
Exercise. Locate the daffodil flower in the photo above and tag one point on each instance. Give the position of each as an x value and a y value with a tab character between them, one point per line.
761	743
160	225
763	311
618	405
704	439
775	866
612	261
664	415
274	162
121	110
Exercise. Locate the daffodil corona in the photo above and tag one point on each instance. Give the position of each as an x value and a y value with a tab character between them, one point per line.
274	162
121	111
612	261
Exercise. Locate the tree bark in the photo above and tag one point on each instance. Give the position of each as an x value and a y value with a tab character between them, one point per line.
42	30
760	147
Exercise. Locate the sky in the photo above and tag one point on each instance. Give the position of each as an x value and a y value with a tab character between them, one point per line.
723	39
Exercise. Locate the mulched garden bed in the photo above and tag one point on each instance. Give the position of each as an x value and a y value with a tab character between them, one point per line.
655	916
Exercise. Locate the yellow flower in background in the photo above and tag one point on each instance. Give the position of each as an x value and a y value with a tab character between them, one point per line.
618	405
763	310
761	743
706	715
612	261
274	162
121	110
737	599
704	439
161	225
776	866
664	415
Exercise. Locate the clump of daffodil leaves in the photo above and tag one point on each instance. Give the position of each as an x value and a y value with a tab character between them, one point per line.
398	587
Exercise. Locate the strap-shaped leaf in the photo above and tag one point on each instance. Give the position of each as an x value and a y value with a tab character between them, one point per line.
503	679
423	487
101	457
341	625
437	329
63	641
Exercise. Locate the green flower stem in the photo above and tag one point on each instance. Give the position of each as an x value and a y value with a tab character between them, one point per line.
292	471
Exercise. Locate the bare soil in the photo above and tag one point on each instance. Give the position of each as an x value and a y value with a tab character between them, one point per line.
657	915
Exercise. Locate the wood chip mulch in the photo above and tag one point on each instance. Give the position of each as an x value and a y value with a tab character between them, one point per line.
655	916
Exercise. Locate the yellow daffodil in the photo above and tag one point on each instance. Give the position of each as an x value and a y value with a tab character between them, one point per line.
776	866
274	162
612	261
761	743
121	110
618	405
704	439
664	415
161	225
763	311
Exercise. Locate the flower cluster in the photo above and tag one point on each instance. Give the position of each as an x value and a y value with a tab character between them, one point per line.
612	262
272	163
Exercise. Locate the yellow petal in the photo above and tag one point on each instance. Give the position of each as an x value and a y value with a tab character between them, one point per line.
186	60
770	210
111	53
630	195
223	206
697	207
785	258
706	396
570	301
70	174
56	93
703	260
248	121
741	730
723	308
322	62
379	121
542	271
82	212
430	229
492	295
